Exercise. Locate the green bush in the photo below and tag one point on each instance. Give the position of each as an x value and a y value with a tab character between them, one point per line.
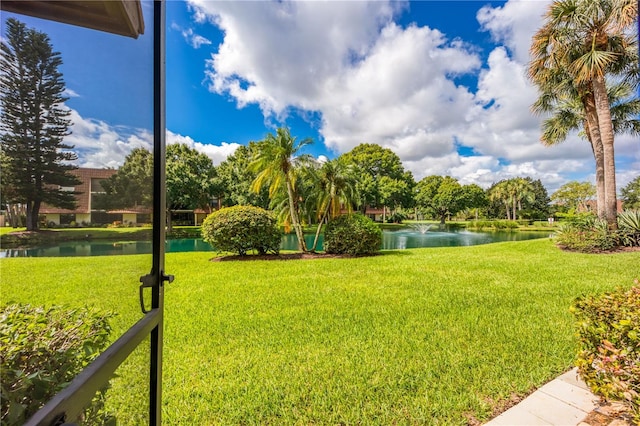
479	224
588	236
495	224
352	234
629	228
397	217
239	229
609	356
41	351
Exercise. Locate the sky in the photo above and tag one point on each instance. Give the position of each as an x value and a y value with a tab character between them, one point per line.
441	83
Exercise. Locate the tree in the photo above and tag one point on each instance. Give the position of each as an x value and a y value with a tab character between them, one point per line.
371	163
474	197
500	199
631	194
590	40
569	112
333	186
440	196
275	163
538	208
574	195
190	179
513	194
522	192
131	186
233	180
36	162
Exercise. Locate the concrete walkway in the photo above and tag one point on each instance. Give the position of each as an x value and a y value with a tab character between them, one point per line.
564	401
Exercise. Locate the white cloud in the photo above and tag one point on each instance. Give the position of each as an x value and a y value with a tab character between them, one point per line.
70	93
514	24
102	145
374	81
193	39
217	153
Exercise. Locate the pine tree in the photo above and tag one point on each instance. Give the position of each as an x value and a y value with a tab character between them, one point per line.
34	122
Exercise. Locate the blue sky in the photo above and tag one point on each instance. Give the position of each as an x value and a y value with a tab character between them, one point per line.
439	82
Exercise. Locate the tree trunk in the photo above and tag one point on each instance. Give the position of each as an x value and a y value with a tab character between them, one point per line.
606	132
33	210
322	220
294	218
169	221
592	130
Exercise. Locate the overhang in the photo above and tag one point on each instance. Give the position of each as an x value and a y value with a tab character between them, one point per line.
123	17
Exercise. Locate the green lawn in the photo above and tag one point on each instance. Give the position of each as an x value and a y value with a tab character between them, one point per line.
8	229
424	336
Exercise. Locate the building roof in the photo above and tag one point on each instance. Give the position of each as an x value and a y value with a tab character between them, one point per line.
123	17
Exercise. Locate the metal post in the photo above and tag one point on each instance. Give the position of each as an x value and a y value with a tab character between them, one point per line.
159	208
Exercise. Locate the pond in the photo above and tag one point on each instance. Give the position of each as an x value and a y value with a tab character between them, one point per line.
391	240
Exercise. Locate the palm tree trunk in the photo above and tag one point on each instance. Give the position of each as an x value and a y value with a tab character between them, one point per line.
593	135
606	132
322	220
294	218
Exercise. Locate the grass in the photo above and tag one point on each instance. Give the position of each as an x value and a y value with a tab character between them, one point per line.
424	336
7	229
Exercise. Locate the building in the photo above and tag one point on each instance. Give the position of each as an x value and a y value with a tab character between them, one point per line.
85	213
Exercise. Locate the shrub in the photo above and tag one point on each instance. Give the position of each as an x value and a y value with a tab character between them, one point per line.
352	234
609	355
588	236
397	217
629	228
239	229
495	224
479	224
41	351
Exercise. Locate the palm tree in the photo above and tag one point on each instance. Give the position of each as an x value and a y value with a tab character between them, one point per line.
333	186
569	114
522	191
501	192
275	163
562	97
590	40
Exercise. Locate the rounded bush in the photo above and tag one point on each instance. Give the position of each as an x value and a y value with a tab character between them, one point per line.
352	234
239	229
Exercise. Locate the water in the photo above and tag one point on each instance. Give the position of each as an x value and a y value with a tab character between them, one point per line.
391	240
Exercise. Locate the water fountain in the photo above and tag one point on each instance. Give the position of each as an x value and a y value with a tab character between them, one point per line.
422	227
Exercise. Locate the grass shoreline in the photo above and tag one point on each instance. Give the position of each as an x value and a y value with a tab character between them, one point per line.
435	335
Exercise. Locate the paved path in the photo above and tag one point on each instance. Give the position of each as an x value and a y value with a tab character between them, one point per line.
564	401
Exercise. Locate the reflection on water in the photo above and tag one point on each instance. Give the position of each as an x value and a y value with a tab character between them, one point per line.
409	239
391	240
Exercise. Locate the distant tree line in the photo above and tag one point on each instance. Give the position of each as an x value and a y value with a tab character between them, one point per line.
302	191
